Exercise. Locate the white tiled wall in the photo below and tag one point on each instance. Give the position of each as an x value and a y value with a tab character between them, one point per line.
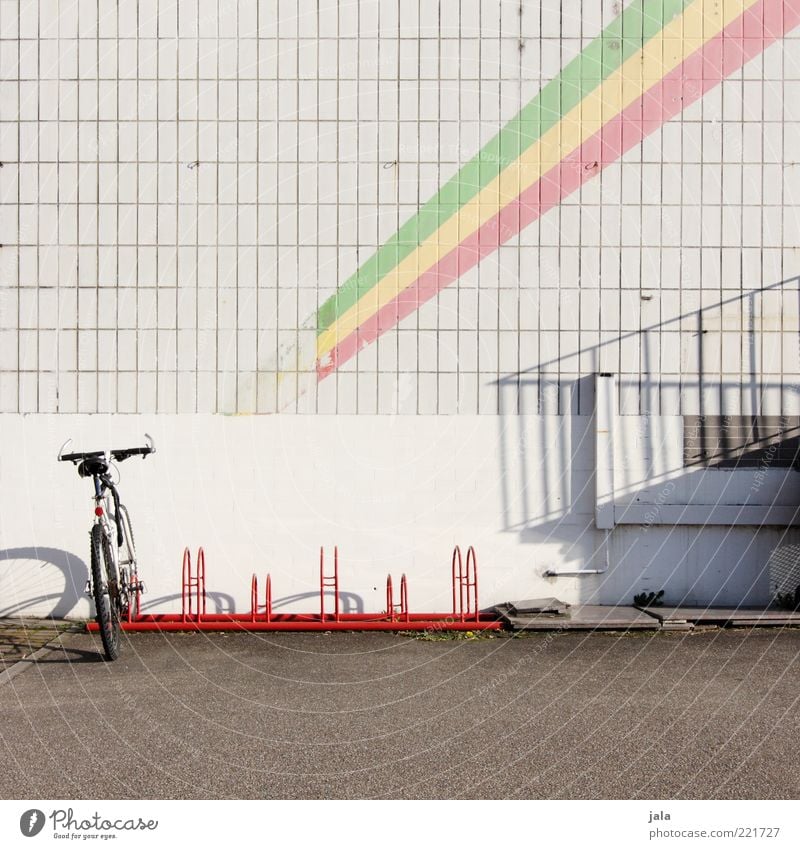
184	184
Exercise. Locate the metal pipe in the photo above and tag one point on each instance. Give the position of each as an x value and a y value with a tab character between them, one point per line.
186	576
336	581
316	625
201	582
321	583
472	558
457	576
302	617
566	572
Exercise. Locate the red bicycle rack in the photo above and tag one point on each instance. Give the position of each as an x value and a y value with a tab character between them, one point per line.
267	599
134	604
465	616
397	612
329	582
465	585
193	582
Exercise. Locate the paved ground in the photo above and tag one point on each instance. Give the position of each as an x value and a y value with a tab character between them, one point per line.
20	638
570	715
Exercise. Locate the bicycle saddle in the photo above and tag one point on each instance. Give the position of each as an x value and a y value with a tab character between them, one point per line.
93	466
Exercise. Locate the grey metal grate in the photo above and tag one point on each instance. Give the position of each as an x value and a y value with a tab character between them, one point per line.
730	441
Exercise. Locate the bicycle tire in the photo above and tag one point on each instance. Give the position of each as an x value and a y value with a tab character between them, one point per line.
103	580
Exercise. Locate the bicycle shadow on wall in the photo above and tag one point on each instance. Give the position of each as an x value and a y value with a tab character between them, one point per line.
216	602
53	604
74	572
349	602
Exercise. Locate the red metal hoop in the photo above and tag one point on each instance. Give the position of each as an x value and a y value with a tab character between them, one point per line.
329	582
193	611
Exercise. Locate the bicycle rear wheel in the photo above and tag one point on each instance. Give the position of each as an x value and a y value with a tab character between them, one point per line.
106	593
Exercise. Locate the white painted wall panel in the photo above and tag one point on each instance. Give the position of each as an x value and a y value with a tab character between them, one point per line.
262	493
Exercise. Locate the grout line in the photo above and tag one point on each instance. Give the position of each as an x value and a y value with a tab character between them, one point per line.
177	258
257	248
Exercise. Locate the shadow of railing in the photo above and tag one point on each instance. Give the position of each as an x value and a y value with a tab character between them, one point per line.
554	386
529	392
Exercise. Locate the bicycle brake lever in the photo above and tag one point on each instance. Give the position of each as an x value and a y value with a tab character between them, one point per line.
61	450
151	444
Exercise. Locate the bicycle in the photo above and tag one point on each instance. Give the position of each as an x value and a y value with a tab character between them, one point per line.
114	583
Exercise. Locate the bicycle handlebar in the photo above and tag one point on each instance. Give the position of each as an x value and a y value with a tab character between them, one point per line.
118	454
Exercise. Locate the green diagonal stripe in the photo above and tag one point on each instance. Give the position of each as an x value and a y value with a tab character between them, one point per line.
625	35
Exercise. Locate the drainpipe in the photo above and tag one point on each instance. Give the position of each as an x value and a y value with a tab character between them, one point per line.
605	399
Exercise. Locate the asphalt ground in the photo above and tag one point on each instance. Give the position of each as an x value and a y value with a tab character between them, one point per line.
546	715
21	638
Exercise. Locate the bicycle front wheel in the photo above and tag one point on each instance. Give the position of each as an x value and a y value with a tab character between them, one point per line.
106	593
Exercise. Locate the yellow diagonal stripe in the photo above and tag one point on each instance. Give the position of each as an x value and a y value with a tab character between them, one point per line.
677	41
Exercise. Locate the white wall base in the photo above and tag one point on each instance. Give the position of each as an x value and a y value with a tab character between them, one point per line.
262	493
